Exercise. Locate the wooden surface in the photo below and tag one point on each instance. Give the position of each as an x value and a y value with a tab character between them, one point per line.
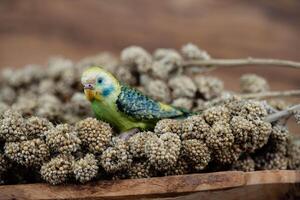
209	185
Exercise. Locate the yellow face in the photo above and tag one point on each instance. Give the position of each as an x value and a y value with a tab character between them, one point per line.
99	84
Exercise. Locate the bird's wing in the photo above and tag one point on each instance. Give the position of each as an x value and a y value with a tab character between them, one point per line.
134	104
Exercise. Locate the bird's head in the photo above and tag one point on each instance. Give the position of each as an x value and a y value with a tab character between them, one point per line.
99	84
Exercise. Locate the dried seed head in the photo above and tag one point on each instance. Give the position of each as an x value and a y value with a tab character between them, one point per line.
297	116
95	135
123	73
195	127
293	155
220	136
23	76
234	104
145	79
251	83
63	139
260	134
182	86
167	57
137	143
241	129
26	104
58	170
158	90
200	105
86	168
163	151
180	168
79	105
269	161
69	77
138	57
28	153
140	170
162	70
3	107
49	107
245	163
117	157
250	135
278	104
46	86
192	52
8	95
13	127
37	127
168	126
279	138
183	102
252	109
197	152
216	114
57	66
209	87
227	155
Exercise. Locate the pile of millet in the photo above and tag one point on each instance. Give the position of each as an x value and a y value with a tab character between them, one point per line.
48	132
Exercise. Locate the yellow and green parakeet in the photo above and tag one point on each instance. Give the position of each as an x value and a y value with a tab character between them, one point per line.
123	107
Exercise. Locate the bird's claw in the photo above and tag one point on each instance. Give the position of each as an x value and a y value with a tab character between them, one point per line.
126	135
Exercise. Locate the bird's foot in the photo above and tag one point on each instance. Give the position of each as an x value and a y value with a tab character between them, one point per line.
126	135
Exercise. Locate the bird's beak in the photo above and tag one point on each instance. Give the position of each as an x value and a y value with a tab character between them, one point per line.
89	91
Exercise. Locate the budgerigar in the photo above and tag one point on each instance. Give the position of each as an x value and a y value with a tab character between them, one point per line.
122	106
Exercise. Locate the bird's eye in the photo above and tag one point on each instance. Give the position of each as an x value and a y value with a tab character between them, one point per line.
100	80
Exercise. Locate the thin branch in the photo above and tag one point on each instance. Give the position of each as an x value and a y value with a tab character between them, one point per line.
284	113
241	61
271	94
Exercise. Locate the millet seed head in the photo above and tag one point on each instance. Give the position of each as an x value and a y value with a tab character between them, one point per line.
28	153
163	151
37	127
209	87
116	158
138	57
194	127
13	127
196	152
245	163
182	86
192	52
137	142
252	83
58	170
216	114
86	168
220	136
95	135
63	139
168	126
227	156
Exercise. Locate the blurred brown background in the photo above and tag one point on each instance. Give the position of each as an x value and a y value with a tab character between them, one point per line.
31	31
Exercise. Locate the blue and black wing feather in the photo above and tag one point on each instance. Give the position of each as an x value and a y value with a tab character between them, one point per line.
135	104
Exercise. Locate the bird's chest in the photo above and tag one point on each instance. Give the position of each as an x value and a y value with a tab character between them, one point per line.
104	110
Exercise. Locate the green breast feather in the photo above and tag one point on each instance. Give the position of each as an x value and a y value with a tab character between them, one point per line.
109	112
